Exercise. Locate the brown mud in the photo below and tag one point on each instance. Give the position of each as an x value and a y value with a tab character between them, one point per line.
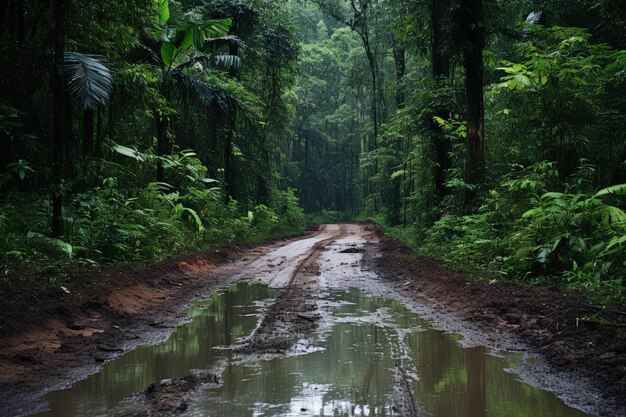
288	320
51	337
171	397
562	328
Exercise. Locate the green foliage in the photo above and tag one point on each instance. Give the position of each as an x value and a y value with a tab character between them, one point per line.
545	214
111	223
574	239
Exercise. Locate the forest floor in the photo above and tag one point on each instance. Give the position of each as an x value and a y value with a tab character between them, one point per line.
51	337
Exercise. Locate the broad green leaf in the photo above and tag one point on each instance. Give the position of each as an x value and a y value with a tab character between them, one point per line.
196	218
164	11
209	180
168	50
130	152
553	195
216	28
542	254
531	213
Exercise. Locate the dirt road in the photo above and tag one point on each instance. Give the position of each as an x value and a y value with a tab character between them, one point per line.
69	336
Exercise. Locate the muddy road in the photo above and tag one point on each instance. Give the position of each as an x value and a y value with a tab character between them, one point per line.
343	321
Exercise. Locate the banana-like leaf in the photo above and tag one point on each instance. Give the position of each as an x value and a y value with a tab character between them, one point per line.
168	52
216	27
164	11
89	80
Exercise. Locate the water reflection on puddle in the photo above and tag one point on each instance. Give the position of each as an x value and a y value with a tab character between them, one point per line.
376	357
218	321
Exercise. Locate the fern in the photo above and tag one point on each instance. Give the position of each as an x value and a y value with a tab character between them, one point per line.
619	189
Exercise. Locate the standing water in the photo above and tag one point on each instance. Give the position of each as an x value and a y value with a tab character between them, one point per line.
371	357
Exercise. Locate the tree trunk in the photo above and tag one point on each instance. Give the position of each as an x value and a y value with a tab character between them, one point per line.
395	197
100	130
263	190
374	103
400	61
59	110
229	188
88	133
440	48
473	63
162	146
228	153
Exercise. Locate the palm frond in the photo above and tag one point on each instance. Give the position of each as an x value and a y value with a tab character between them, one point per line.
196	91
226	41
89	80
228	61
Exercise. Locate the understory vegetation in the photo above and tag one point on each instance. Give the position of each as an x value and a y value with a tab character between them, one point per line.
486	133
127	219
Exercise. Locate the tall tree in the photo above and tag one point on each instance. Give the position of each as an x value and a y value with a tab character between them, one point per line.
473	43
440	57
59	101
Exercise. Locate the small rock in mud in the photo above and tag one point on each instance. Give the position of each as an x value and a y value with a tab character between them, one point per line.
75	326
107	348
170	397
352	250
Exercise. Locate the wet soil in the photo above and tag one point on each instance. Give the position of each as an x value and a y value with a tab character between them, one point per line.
290	318
579	342
51	337
171	397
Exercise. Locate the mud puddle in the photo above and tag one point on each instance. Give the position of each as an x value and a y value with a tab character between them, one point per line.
218	321
369	356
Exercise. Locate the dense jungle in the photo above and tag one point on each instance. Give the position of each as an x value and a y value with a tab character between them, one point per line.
146	145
